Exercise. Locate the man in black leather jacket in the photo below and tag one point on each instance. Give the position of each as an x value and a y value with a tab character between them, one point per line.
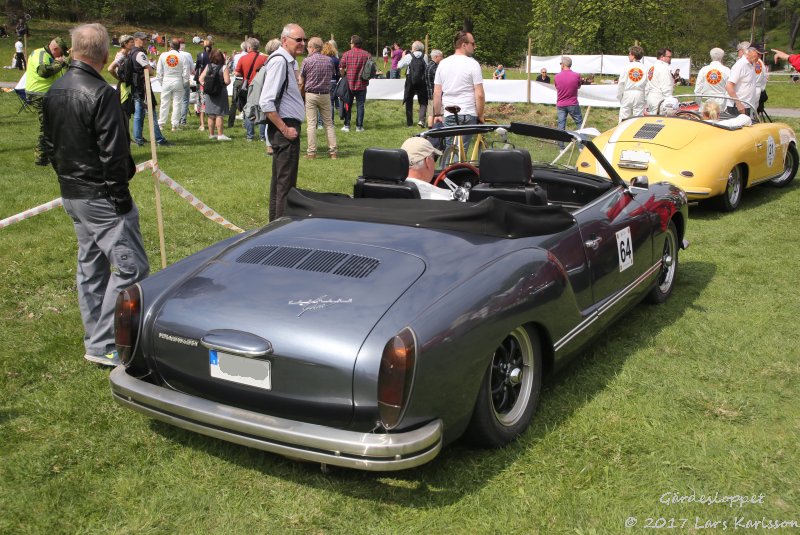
86	139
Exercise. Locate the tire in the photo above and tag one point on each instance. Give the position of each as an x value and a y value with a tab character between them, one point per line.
732	196
449	156
789	169
669	268
509	392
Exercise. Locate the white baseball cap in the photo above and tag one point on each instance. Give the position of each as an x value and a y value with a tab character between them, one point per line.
418	148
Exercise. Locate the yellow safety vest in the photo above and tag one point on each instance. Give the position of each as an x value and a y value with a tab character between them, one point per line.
39	84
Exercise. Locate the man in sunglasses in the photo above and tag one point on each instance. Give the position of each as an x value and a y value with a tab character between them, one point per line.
283	104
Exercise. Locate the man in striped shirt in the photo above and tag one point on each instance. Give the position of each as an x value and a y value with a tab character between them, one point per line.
350	65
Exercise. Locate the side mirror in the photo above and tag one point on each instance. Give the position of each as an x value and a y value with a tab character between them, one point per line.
640	182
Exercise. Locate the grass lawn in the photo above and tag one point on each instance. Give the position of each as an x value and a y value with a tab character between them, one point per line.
699	396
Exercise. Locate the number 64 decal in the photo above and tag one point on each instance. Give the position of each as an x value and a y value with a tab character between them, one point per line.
624	248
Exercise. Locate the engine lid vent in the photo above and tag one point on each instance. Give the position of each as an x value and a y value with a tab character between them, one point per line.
317	260
648	131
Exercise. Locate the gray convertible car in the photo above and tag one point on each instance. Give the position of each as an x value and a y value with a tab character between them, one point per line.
368	331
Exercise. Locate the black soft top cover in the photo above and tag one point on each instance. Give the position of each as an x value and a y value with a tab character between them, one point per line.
490	217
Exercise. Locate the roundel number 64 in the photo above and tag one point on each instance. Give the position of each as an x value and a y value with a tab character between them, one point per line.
624	248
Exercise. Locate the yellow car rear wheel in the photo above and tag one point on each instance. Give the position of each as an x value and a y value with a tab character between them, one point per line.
789	169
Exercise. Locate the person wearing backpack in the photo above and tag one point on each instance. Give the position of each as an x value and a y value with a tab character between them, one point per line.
123	87
247	68
415	83
358	66
215	79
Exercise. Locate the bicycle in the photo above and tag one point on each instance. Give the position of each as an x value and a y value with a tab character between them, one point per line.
456	153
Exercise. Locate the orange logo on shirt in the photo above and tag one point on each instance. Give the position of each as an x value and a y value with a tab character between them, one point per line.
635	74
650	73
759	67
172	61
713	77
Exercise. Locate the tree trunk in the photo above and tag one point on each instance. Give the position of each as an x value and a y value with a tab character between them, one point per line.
795	27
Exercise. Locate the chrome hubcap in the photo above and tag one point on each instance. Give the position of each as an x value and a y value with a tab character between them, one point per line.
510	380
667	264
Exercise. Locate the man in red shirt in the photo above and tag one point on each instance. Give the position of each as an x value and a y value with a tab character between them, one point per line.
249	64
350	65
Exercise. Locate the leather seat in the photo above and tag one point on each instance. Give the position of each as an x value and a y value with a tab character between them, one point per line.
383	176
506	174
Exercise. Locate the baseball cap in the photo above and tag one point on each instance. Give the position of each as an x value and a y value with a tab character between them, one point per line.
124	38
140	35
418	148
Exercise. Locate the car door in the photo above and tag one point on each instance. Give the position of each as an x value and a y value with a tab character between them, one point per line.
766	159
617	236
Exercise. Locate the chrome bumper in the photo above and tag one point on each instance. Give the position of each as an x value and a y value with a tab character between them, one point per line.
300	440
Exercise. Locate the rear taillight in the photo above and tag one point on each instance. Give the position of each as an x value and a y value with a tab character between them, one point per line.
395	377
126	322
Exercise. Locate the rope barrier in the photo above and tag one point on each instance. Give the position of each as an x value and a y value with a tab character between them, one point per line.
185	194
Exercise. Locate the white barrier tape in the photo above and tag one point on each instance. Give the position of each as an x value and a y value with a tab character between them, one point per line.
194	201
144	165
42	208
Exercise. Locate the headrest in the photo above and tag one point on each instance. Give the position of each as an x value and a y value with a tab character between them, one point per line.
505	166
385	164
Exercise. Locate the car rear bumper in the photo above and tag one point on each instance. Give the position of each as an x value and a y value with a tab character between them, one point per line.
300	440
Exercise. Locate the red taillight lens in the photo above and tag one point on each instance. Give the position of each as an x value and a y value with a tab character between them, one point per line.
395	377
126	322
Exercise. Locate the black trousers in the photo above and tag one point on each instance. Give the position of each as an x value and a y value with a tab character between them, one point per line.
285	159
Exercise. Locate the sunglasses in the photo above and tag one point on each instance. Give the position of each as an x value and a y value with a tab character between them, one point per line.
297	39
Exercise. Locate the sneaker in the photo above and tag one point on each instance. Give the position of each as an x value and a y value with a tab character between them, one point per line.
164	143
212	136
359	129
109	359
223	137
320	127
311	155
201	128
421	124
176	128
333	155
345	128
249	140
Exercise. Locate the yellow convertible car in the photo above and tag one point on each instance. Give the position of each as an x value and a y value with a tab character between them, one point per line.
707	159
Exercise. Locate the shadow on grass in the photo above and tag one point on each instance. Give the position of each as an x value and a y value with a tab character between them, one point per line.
460	470
752	198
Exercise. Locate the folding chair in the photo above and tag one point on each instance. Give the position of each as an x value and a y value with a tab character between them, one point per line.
24	99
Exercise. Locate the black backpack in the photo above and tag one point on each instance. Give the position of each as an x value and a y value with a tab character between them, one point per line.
125	70
416	70
369	70
213	82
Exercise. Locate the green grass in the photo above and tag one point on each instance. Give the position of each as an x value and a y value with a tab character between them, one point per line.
699	395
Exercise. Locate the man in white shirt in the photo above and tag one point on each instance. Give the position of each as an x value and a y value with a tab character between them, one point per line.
459	82
173	74
630	88
742	81
712	79
659	81
19	54
187	90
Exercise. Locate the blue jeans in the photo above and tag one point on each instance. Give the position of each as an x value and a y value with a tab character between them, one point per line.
450	120
574	112
360	98
250	131
139	111
187	92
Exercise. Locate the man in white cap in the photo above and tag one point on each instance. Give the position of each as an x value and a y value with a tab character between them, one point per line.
712	79
421	167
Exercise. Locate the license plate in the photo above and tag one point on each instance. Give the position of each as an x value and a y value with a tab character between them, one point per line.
634	159
242	370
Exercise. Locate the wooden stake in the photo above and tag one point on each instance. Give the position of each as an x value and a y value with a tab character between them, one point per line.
154	156
528	69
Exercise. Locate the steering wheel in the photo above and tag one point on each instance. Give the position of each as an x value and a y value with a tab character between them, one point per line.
689	114
459	165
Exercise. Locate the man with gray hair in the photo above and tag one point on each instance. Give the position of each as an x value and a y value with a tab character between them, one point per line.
712	79
415	83
567	83
247	67
742	81
315	77
430	76
86	139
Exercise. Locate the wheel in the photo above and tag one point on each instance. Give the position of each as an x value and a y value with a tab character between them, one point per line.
789	169
669	268
689	114
509	391
453	167
732	196
449	156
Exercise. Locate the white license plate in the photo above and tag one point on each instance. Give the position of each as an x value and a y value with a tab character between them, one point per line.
634	159
242	370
